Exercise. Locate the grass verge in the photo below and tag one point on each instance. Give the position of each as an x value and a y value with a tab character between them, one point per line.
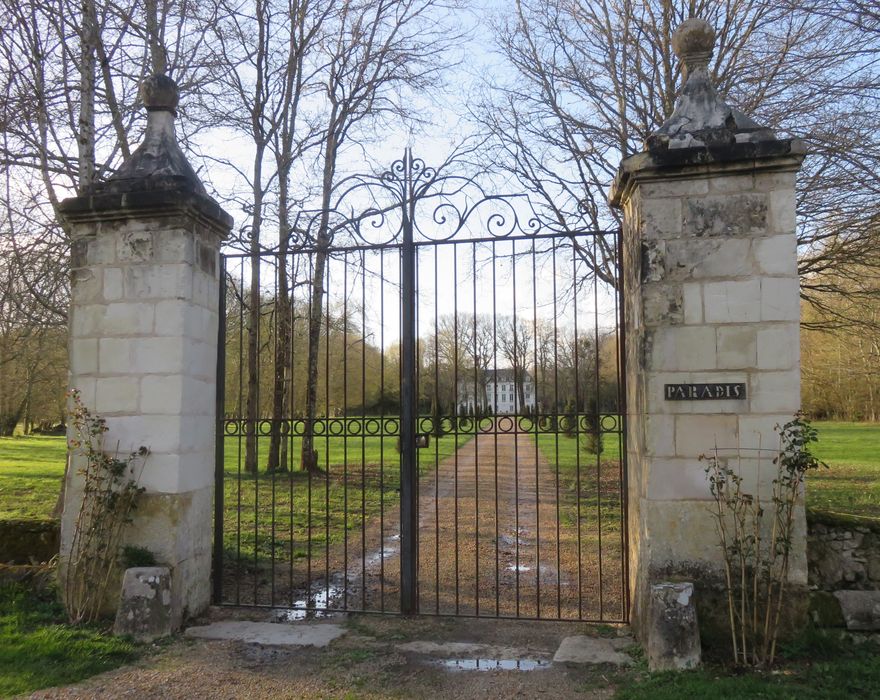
31	468
38	651
287	515
820	665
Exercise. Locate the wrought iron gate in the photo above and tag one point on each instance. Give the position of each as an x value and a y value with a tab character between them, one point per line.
463	451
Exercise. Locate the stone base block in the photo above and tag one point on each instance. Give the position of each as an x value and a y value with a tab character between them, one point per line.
861	609
673	635
145	604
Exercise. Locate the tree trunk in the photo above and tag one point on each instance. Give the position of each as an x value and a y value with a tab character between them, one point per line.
309	459
252	408
86	130
282	324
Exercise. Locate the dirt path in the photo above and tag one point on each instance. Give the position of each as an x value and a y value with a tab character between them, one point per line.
488	532
368	662
498	536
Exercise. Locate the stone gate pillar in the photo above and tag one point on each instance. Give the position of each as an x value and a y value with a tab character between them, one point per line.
143	341
712	321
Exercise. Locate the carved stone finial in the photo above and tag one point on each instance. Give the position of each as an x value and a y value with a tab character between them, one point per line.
701	118
160	93
158	163
693	43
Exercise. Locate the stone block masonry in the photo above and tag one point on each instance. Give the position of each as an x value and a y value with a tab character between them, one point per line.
844	555
711	297
143	343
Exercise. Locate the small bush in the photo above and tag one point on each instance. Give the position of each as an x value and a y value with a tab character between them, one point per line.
133	556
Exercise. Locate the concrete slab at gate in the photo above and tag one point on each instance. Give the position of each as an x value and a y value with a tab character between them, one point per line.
712	321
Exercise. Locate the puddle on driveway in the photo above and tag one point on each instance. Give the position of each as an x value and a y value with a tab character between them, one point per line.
522	568
328	598
492	664
315	606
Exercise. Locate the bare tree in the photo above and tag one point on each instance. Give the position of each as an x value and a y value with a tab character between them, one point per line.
378	54
593	78
516	342
69	78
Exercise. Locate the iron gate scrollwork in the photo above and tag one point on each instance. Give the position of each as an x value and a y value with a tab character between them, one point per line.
469	432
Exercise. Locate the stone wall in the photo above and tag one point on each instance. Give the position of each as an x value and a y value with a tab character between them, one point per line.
842	554
28	541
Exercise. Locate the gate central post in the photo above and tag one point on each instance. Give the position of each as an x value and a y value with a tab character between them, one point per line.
409	603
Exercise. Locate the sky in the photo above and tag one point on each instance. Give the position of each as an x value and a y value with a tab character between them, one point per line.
448	278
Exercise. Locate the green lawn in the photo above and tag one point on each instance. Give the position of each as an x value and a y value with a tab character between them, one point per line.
31	469
38	651
822	665
597	475
852	484
266	513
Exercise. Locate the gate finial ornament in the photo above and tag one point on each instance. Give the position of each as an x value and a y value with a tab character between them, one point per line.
693	43
701	118
158	163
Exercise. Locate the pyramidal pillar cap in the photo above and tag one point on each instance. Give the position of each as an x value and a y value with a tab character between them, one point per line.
157	175
158	163
701	117
703	130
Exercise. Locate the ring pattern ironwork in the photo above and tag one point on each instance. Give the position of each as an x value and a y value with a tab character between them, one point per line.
390	427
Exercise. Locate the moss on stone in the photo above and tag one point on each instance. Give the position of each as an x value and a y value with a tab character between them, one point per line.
825	610
833	519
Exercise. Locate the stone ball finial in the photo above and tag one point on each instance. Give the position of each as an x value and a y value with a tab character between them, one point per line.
693	42
160	93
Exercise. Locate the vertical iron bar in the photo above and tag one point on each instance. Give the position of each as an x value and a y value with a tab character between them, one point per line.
344	430
291	410
516	533
363	423
622	424
220	434
597	419
474	413
308	592
408	475
495	436
476	443
577	399
382	429
241	425
537	457
273	427
417	383
256	429
437	442
327	326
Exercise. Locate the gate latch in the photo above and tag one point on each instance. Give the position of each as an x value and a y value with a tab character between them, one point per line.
422	441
